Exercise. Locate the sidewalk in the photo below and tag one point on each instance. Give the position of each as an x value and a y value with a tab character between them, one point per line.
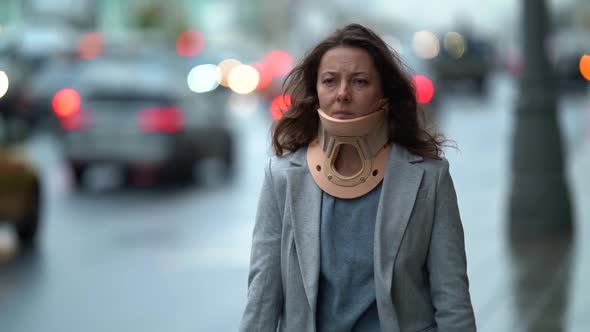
519	286
578	311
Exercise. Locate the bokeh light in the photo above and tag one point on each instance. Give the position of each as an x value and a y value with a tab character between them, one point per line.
226	66
455	45
279	105
90	45
426	44
585	66
204	78
190	43
66	102
279	63
243	79
4	83
424	89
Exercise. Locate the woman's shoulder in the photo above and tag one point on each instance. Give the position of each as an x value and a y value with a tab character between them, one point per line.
289	160
429	164
435	163
435	169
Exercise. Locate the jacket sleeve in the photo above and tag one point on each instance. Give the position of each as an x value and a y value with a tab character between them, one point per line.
447	264
265	290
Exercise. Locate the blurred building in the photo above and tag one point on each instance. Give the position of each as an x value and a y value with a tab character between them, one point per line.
574	15
80	13
10	11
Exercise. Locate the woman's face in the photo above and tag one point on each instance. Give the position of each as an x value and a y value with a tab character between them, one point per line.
348	84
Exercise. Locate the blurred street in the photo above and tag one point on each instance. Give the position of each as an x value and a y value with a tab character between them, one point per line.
133	137
176	259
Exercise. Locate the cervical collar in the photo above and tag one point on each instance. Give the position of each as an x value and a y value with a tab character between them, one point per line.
368	135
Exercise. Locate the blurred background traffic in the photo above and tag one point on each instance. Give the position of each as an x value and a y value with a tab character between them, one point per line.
134	133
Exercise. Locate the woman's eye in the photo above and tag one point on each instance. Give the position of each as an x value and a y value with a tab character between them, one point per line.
328	81
360	81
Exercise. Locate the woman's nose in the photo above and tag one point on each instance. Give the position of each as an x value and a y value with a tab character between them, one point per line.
343	92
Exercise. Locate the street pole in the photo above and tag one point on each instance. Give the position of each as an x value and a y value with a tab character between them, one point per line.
539	198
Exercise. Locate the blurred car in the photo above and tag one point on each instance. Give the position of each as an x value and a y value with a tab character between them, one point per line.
12	101
135	112
567	47
42	38
464	57
20	190
63	71
39	42
57	74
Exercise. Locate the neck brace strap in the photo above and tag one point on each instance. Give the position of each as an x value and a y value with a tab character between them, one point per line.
367	135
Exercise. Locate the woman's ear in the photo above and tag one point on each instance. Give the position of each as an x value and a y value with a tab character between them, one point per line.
383	103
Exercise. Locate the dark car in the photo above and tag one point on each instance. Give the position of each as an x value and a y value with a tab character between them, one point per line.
42	38
464	58
57	74
136	113
567	48
13	75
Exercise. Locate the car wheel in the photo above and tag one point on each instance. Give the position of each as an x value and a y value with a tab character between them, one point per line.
78	171
186	174
181	170
481	85
177	174
127	176
26	228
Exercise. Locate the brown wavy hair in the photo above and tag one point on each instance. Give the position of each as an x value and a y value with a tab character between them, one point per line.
298	125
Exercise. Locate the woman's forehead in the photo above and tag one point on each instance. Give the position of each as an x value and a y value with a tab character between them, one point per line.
347	59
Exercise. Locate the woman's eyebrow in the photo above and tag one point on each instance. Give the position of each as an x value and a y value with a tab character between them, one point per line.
356	73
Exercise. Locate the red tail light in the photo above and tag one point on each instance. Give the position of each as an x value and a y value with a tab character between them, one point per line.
424	89
161	119
66	105
66	102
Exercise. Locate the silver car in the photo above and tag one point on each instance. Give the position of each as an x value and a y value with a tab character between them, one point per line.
136	115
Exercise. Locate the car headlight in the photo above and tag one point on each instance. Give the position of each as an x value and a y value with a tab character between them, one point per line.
4	82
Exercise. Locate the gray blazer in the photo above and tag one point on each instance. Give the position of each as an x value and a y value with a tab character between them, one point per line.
419	252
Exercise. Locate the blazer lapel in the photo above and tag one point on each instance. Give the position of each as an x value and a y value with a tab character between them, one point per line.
305	198
400	186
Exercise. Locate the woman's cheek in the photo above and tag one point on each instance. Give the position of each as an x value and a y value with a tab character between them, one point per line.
326	102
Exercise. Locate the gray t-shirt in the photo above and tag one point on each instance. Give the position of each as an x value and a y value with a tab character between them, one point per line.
346	294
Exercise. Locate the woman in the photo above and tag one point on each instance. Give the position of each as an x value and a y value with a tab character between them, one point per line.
358	227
